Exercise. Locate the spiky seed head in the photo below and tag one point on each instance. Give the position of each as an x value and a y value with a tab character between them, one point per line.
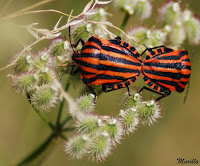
85	103
143	9
25	82
57	47
77	146
82	30
129	119
23	63
45	97
131	101
192	28
177	36
149	112
89	124
100	147
42	60
115	130
170	13
46	76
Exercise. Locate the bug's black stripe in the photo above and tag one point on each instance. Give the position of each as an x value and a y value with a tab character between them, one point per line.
109	58
105	68
89	47
102	76
187	60
186	67
165	74
85	72
94	39
125	44
182	53
164	65
171	57
118	60
184	83
172	83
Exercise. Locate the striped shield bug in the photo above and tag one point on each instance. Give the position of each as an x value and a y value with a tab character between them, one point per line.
165	70
114	64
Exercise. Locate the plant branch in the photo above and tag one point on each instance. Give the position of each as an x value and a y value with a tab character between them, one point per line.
124	22
61	107
37	151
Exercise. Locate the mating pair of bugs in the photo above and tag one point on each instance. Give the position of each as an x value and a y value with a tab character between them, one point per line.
115	64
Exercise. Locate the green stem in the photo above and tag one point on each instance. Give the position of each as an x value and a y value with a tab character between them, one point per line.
68	129
68	118
124	22
37	151
61	107
44	119
40	114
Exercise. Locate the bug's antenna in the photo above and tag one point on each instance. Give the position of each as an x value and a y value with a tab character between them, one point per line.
70	40
64	72
189	81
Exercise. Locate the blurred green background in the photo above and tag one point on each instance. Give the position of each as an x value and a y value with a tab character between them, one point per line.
175	135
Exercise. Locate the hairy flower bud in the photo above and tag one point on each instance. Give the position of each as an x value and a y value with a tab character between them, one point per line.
130	120
149	112
131	101
23	63
89	124
25	82
143	9
170	13
100	147
78	146
115	130
177	36
46	76
45	97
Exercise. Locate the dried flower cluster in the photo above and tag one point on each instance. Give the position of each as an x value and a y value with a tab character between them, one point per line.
97	135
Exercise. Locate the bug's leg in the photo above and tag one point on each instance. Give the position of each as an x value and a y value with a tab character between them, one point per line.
118	38
64	72
162	95
104	88
80	40
95	94
128	90
167	93
74	72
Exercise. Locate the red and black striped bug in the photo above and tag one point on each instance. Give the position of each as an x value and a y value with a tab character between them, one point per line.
165	70
114	64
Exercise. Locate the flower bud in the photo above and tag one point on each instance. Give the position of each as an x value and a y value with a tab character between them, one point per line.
192	28
45	97
42	60
131	101
89	124
130	120
170	13
85	104
149	112
25	82
46	76
177	36
82	30
143	9
78	146
23	63
100	147
115	130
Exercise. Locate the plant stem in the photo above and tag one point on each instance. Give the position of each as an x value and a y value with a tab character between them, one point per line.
61	107
40	114
44	118
124	22
37	151
68	129
68	118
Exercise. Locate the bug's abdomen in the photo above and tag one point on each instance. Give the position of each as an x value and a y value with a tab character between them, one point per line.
170	71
